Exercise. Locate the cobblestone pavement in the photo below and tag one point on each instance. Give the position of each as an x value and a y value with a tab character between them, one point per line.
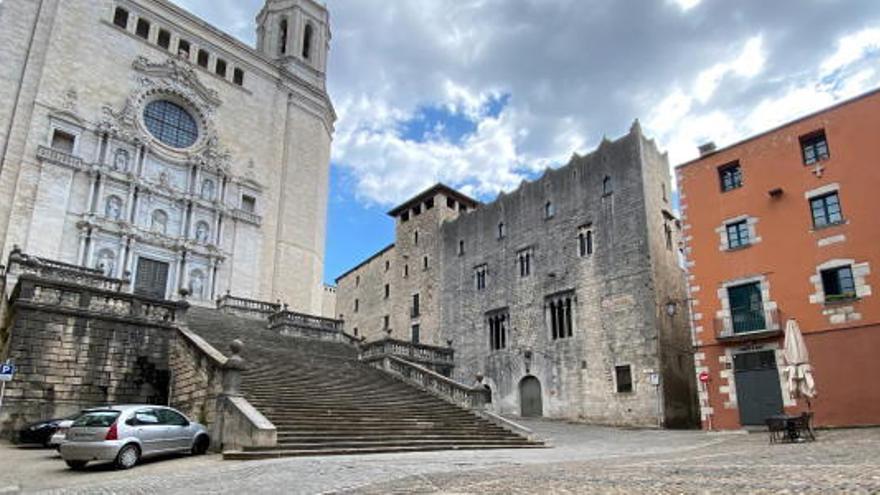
585	459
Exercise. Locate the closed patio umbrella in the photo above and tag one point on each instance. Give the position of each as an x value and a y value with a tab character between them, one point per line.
797	370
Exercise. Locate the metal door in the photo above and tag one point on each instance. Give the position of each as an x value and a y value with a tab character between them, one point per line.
757	387
151	279
530	398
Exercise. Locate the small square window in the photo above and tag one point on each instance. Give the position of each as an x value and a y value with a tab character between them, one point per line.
357	305
143	28
730	176
502	230
623	374
416	330
737	234
814	147
120	17
826	210
549	210
63	141
450	203
164	39
387	291
387	265
460	248
838	283
429	204
386	322
404	217
238	76
425	263
248	203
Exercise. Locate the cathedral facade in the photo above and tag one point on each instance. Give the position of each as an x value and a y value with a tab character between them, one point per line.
138	139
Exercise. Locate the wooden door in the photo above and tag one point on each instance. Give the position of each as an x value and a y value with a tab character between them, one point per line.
151	279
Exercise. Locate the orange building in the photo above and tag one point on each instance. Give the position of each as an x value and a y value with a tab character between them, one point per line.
786	224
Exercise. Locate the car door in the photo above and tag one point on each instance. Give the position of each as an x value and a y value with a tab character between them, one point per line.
177	429
149	430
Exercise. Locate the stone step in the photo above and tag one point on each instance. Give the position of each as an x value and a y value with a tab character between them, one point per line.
278	453
381	443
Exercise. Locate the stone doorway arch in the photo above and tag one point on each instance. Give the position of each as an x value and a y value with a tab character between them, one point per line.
531	404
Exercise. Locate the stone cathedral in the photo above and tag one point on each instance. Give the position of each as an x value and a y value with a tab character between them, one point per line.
137	139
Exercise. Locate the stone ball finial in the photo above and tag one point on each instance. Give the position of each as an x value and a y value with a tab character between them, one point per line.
236	346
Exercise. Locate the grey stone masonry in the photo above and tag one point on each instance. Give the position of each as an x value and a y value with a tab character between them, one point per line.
567	290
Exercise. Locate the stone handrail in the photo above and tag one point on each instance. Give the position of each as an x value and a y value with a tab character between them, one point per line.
20	264
59	157
283	317
430	381
64	296
205	384
247	307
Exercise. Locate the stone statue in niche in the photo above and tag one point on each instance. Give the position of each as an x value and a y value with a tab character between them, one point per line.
106	262
113	210
197	284
164	180
202	233
120	160
207	190
159	222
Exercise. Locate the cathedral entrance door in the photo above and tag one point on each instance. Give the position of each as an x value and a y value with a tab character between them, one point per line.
151	279
530	398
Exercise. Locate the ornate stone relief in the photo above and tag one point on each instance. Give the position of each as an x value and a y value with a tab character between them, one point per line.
175	80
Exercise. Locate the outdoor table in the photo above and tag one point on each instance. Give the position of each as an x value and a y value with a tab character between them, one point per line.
791	428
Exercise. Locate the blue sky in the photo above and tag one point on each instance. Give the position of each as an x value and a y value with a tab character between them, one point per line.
482	94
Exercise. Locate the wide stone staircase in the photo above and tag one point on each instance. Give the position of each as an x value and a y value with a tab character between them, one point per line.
323	401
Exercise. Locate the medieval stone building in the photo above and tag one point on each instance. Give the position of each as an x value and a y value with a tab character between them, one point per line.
138	139
565	297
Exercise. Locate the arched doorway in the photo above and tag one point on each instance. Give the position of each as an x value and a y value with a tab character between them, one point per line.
530	398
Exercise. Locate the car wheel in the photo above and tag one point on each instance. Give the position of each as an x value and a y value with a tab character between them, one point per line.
201	445
128	457
76	465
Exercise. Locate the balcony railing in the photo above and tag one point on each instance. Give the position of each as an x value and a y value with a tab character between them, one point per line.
748	325
306	326
247	216
59	157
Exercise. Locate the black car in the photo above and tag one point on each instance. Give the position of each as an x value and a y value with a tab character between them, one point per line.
42	431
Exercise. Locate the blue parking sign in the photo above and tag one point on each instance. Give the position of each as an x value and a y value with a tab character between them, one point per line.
6	371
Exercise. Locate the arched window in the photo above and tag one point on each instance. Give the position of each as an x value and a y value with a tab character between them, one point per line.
607	188
207	192
197	284
282	38
106	262
159	222
113	208
202	232
307	42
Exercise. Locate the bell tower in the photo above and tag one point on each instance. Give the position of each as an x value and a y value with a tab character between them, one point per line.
296	33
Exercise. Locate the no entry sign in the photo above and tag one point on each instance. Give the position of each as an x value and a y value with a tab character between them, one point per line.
704	376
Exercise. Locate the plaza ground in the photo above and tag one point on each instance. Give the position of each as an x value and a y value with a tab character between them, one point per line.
584	459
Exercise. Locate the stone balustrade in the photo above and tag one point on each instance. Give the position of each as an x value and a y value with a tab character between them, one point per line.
59	157
246	216
301	325
439	359
22	264
462	395
248	308
62	296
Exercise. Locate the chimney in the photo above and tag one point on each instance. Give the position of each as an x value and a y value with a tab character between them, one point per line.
707	148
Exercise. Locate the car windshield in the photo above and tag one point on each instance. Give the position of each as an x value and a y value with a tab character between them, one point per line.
97	419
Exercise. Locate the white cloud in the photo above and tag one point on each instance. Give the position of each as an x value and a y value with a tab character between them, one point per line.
575	70
851	49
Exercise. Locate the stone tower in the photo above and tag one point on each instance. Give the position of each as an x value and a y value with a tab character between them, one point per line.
297	34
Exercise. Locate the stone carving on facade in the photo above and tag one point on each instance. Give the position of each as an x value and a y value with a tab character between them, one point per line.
202	231
113	209
159	222
207	191
106	262
197	284
120	160
175	80
70	101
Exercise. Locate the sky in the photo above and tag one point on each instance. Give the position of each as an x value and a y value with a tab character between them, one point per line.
483	94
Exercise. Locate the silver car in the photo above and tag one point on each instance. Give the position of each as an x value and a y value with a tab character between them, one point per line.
125	434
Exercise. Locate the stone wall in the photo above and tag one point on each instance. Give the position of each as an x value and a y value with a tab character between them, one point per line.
76	346
196	376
